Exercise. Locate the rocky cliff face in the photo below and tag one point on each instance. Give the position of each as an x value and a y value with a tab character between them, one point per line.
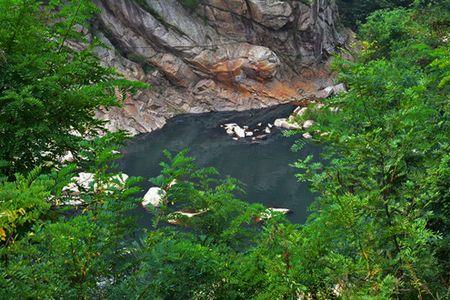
219	55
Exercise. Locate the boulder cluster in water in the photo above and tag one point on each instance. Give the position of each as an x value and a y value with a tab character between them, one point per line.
86	182
291	123
238	132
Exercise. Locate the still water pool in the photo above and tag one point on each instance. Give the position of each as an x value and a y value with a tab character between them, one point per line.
263	166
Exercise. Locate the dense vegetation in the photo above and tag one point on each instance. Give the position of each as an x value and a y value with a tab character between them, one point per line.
355	12
379	228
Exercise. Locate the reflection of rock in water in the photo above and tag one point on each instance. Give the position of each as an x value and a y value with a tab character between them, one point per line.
264	167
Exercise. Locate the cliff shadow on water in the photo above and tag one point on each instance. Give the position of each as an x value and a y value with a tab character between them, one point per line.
262	165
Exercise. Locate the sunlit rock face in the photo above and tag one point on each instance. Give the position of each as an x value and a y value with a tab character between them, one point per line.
219	55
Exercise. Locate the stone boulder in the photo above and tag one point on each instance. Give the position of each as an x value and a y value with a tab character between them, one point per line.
86	182
83	180
240	132
175	69
233	63
262	63
204	86
307	135
284	123
307	124
299	111
331	91
154	197
66	158
237	131
340	88
325	93
274	14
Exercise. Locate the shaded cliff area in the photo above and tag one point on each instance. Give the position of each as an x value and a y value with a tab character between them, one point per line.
216	55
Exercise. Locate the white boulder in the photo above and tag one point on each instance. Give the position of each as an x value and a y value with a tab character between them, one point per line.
340	88
240	132
307	124
121	178
154	196
283	211
66	158
261	136
229	128
83	180
235	129
300	111
307	135
332	90
283	123
280	122
325	93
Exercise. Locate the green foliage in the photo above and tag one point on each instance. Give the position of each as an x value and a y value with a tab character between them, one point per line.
174	266
355	12
49	93
48	90
58	251
223	255
379	228
22	203
202	190
379	222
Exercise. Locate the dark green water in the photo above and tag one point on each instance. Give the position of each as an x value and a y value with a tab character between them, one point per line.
264	167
